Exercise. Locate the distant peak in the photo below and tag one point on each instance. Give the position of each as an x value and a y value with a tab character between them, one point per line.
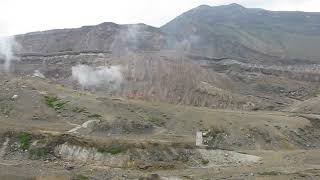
107	24
230	6
203	7
235	5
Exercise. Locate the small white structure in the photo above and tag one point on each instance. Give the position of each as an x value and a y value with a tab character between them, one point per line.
14	97
199	139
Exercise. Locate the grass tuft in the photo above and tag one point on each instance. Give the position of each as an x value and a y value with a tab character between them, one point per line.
183	158
38	153
113	149
25	140
79	110
316	93
270	173
157	121
205	161
80	177
55	103
97	116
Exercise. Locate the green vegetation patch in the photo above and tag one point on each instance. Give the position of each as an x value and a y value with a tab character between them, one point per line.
205	161
269	173
183	157
96	116
112	149
316	93
156	120
79	110
25	140
80	177
55	103
38	153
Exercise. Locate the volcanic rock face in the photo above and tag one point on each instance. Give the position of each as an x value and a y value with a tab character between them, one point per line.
103	37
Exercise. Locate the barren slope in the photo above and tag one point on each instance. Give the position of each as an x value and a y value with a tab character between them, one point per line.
120	138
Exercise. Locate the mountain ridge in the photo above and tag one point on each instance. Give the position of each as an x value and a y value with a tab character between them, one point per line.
258	35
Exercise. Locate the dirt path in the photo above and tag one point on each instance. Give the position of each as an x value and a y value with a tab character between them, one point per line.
308	106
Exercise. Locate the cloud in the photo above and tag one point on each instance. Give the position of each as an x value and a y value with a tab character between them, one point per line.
33	15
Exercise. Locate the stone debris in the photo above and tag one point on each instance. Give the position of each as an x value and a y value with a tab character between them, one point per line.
87	126
14	97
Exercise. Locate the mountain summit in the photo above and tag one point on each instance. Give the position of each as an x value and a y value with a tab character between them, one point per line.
233	30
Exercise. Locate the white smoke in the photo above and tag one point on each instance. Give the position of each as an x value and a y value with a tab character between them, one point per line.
90	77
126	40
6	51
7	44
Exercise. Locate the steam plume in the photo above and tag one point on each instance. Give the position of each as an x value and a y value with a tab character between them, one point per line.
126	40
89	77
6	51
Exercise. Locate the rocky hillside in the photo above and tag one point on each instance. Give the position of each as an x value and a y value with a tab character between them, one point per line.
103	37
236	31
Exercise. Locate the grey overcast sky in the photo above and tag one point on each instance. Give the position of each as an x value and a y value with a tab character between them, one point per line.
21	16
